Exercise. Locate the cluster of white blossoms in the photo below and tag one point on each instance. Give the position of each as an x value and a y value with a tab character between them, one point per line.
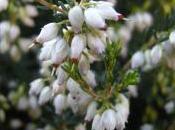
82	40
152	57
10	31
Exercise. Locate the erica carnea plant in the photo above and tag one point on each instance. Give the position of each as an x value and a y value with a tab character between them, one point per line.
71	46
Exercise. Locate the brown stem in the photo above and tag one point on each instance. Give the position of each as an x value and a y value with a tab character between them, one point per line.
50	6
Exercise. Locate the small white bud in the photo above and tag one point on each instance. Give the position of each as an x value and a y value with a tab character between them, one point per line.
72	86
76	18
14	32
45	96
57	88
91	111
72	103
60	103
90	78
61	76
147	127
48	32
156	54
23	103
83	65
172	38
97	124
46	50
93	19
80	127
137	60
169	107
60	52
108	12
31	11
95	44
36	87
108	119
77	46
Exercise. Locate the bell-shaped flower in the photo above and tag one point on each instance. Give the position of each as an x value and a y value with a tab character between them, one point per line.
91	111
60	103
36	87
94	19
48	32
76	18
45	95
137	60
156	54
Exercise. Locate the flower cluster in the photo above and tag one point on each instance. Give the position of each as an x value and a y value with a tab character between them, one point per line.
151	58
10	30
70	47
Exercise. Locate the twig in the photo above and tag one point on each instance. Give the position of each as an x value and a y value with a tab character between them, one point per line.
50	6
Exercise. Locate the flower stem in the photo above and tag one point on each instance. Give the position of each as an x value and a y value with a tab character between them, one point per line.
50	6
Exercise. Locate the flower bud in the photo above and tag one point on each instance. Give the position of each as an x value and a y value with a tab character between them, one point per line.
61	76
109	13
156	54
60	103
48	32
93	19
60	52
97	124
137	60
90	78
46	50
83	65
95	44
57	88
45	95
31	11
77	46
14	32
36	87
108	119
91	111
76	18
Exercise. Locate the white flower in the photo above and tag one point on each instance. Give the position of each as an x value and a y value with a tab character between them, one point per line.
80	127
108	12
15	53
48	32
45	96
57	88
147	127
90	78
5	28
33	102
3	5
23	103
60	103
91	111
14	32
31	11
169	107
95	44
94	19
137	60
76	18
60	52
72	86
97	124
72	103
167	47
108	119
133	90
77	46
122	112
61	76
36	87
148	62
172	38
46	50
83	65
156	54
